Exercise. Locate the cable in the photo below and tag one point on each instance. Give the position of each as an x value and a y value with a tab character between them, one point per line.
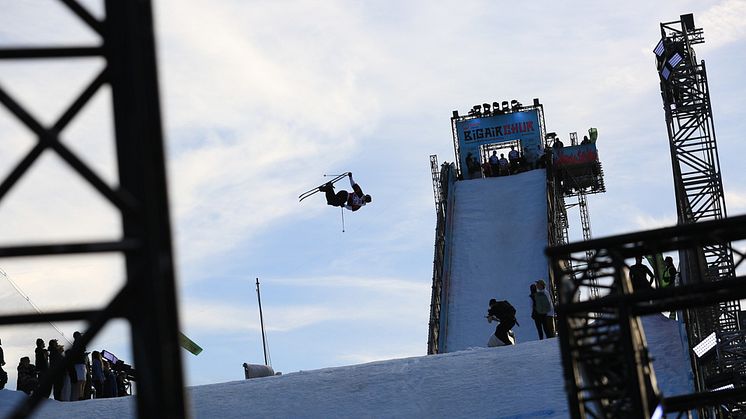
28	299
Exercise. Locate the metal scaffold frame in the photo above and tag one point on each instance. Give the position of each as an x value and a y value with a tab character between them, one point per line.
699	196
608	373
148	298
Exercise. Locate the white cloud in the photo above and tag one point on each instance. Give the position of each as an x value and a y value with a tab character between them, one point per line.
723	22
649	222
735	201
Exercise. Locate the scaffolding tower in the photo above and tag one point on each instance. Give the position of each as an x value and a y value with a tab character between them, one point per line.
699	197
148	299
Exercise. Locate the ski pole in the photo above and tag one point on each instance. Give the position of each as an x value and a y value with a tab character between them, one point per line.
343	219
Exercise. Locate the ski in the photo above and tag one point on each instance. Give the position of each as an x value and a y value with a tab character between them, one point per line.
310	192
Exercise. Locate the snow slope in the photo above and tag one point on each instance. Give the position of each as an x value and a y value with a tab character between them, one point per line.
497	244
521	381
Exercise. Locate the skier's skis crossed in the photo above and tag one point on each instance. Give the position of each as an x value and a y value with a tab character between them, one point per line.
308	193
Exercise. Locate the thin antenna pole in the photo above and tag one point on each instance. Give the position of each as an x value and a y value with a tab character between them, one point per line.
261	320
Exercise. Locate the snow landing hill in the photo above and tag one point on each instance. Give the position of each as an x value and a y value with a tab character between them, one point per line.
521	381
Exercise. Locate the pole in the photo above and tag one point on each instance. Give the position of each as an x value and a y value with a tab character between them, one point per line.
261	320
343	219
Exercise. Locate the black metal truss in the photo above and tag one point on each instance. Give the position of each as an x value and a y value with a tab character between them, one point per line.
607	370
148	298
437	287
699	192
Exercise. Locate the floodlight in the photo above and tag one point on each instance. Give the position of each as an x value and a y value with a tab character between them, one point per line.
505	105
665	73
687	21
477	108
660	48
486	107
706	345
675	60
515	105
495	106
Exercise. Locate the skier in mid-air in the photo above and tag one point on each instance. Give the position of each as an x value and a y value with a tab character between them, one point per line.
353	201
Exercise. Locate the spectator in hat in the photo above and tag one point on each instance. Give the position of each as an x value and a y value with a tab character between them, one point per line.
541	287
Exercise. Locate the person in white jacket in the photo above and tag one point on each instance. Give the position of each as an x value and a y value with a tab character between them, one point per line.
541	286
352	201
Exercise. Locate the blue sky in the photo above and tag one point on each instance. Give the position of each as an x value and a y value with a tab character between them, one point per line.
260	99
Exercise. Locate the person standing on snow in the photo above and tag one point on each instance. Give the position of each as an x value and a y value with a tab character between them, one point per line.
352	201
541	286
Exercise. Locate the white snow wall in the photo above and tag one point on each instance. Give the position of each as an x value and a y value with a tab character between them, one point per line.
497	243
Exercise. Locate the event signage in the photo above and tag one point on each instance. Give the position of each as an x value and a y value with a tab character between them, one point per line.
517	126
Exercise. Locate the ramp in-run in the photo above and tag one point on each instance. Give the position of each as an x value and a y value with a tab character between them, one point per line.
497	238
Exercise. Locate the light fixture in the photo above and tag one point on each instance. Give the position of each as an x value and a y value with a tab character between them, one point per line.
675	60
515	105
477	108
706	345
505	106
486	107
496	108
660	48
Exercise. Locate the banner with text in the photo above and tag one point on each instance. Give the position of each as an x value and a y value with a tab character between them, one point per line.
520	126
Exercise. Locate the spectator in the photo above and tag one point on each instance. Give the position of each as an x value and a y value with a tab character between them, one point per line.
27	380
494	163
504	166
97	377
534	314
42	362
81	371
487	169
110	380
558	143
541	287
69	392
585	140
503	312
514	159
472	166
669	272
3	374
638	275
55	359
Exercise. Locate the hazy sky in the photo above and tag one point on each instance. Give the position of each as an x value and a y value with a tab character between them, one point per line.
261	98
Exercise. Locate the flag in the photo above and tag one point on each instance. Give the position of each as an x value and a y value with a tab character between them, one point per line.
189	344
659	268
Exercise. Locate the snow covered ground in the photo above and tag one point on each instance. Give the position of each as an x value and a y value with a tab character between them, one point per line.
498	241
521	381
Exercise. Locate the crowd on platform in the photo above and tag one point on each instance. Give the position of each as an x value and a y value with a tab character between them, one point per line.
516	162
84	378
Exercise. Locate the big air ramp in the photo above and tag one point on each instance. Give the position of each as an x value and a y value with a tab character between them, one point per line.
498	236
